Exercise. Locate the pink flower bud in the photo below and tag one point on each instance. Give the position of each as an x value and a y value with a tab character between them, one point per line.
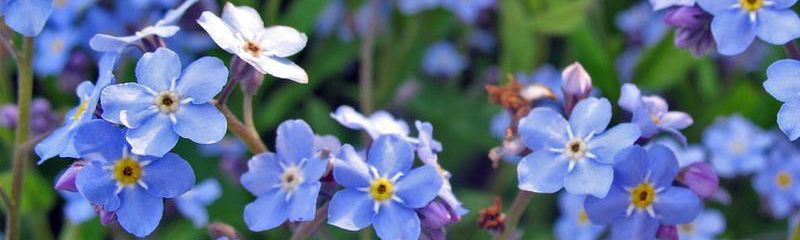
700	178
67	180
577	85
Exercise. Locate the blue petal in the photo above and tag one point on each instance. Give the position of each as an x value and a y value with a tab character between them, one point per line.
206	191
663	166
98	186
314	168
763	182
780	206
268	211
139	212
608	210
778	26
203	79
732	31
542	172
128	104
84	89
154	137
101	141
390	155
303	203
263	174
419	186
112	44
28	17
608	144
351	209
716	6
169	176
589	177
630	166
788	121
295	141
394	221
677	205
542	129
781	4
638	226
194	211
54	144
590	116
77	209
158	70
641	117
350	170
630	97
781	80
201	123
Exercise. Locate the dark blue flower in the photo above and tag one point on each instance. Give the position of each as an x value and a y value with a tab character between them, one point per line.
383	190
132	186
286	184
642	196
166	103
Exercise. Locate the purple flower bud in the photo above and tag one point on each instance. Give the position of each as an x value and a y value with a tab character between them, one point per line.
693	29
8	116
700	178
436	215
42	118
667	232
67	180
74	72
249	78
106	217
577	85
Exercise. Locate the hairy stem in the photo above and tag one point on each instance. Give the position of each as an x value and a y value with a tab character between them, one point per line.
248	137
307	228
24	95
515	212
247	108
365	71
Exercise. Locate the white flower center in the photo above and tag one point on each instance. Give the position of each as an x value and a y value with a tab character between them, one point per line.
167	101
291	178
575	149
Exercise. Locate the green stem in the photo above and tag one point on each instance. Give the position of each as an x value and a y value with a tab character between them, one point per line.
24	95
795	234
41	227
365	71
272	11
70	231
515	212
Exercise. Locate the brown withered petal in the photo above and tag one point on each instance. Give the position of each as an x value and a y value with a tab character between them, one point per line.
493	218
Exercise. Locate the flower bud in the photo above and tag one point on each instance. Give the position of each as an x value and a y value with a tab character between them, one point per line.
218	230
693	29
667	232
67	180
577	85
74	71
249	78
106	217
700	178
436	214
8	116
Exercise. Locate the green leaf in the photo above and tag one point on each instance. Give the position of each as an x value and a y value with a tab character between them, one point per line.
517	52
302	14
37	193
663	66
562	18
596	59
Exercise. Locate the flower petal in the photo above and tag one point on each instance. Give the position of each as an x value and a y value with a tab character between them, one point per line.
303	203
390	155
630	166
663	166
278	67
158	70
154	137
139	212
716	6
349	169
542	172
732	31
98	186
127	104
101	141
107	43
589	177
608	144
542	129
282	41
677	205
263	174
781	4
787	119
201	123
676	120
54	144
28	17
604	211
351	209
419	186
295	141
781	80
778	26
268	211
394	221
220	32
630	97
194	211
203	79
314	168
168	177
590	116
637	226
243	19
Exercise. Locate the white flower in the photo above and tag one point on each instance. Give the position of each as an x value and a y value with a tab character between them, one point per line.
241	31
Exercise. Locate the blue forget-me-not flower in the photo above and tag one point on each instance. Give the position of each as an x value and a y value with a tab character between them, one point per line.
737	22
736	146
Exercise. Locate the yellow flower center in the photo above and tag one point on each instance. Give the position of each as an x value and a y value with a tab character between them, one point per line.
687	228
643	195
783	179
381	189
738	146
751	5
127	171
81	109
57	45
582	217
655	119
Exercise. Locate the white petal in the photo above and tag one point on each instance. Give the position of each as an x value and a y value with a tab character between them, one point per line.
243	19
282	41
278	67
220	32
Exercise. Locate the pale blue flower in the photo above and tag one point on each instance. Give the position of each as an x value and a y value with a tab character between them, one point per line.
737	23
193	203
442	59
686	155
652	115
468	10
411	7
27	17
53	48
736	146
573	223
163	28
427	150
778	184
708	225
166	102
782	85
76	209
662	4
377	124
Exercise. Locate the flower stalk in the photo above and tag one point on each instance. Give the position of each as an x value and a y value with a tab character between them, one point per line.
515	212
24	96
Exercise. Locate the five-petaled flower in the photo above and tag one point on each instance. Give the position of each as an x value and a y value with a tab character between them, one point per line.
241	31
782	85
642	196
573	222
132	186
575	154
652	115
737	22
383	190
193	203
736	146
166	103
285	184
